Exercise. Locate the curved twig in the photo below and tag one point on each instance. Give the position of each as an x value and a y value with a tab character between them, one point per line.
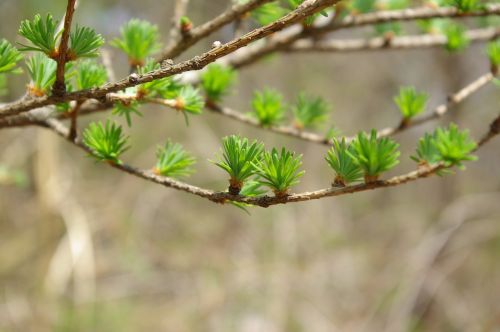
262	201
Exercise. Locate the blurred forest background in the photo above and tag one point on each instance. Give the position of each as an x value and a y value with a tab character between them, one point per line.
86	248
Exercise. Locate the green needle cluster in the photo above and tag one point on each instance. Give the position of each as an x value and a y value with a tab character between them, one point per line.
173	161
279	170
139	40
84	42
42	34
42	71
90	74
374	155
410	102
310	111
238	158
216	81
268	107
340	159
9	57
449	146
106	142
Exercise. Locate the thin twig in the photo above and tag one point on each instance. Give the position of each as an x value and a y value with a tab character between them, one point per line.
381	43
409	14
282	40
436	113
180	9
73	129
59	87
306	9
184	42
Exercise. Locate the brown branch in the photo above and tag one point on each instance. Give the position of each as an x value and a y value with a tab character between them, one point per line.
73	129
180	9
408	14
381	43
184	42
283	130
494	130
306	9
59	87
438	112
282	40
262	201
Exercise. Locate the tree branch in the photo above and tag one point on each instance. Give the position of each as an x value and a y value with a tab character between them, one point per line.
262	201
59	87
381	43
184	42
306	9
409	14
282	40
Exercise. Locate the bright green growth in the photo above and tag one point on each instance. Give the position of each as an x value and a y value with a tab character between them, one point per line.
310	111
457	39
139	39
84	42
268	107
160	86
90	74
465	6
9	56
3	85
185	24
493	51
433	26
126	109
362	6
217	80
374	155
42	71
106	142
449	146
42	34
427	152
279	171
190	100
454	146
390	28
340	159
410	102
268	13
173	160
238	158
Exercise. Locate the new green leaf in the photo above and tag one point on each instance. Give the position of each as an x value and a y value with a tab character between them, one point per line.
238	158
268	107
340	159
173	160
139	39
106	142
410	102
42	71
310	111
279	170
456	37
9	57
84	42
90	75
374	155
42	34
217	80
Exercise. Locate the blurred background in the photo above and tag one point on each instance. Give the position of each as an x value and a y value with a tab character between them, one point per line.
86	248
